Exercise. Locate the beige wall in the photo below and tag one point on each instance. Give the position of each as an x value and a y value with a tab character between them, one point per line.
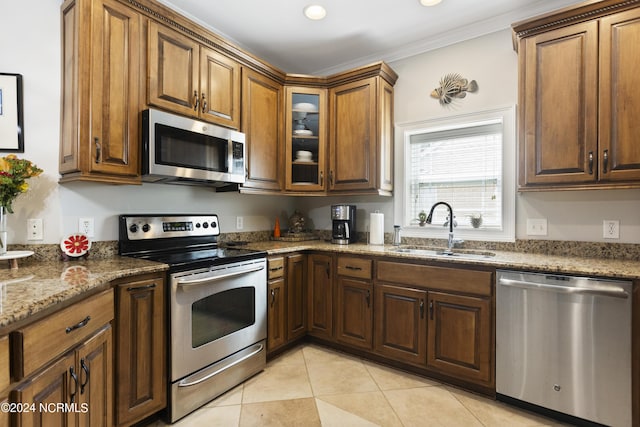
31	47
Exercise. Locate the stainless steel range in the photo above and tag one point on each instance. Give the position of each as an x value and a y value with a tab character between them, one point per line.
217	304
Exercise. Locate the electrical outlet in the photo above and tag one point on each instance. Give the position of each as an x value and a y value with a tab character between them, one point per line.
85	226
537	226
34	229
239	223
611	229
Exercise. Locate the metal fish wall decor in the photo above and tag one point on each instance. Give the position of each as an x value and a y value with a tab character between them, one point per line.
453	86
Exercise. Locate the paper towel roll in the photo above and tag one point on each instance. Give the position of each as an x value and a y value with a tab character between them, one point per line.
376	228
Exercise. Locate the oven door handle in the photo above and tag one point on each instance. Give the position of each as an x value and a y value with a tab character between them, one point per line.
214	277
205	376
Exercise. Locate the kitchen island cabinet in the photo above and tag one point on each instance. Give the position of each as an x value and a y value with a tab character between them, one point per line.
579	131
100	125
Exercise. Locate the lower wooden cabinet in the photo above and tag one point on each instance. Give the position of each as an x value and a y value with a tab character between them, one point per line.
286	300
459	336
141	350
354	312
320	296
80	379
296	296
276	314
354	302
401	327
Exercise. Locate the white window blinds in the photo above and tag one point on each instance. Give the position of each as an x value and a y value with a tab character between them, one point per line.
461	166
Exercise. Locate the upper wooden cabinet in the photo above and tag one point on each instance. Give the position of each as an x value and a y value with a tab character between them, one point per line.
262	123
350	139
191	79
361	137
578	98
305	139
99	138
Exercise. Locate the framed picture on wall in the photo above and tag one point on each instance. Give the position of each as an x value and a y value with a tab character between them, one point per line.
11	126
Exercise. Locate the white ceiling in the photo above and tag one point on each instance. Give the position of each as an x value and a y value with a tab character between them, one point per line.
355	32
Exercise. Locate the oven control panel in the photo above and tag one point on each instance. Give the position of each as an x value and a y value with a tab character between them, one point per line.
159	227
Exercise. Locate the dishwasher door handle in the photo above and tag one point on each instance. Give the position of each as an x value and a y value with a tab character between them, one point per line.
613	291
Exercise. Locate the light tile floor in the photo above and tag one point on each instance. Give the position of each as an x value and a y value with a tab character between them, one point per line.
314	386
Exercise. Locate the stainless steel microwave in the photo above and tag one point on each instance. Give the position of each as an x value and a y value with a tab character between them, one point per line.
181	150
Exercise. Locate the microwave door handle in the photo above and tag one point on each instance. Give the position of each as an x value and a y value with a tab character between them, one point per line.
217	276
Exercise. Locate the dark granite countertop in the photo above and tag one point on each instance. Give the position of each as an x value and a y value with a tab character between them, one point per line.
39	286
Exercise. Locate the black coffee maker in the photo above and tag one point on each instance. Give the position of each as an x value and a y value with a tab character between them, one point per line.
344	224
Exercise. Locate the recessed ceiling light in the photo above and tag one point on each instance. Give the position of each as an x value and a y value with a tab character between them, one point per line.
429	2
315	12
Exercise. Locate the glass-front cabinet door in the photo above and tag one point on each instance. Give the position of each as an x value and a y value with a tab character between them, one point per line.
306	139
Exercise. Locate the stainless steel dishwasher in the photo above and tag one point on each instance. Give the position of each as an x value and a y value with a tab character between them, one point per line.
564	343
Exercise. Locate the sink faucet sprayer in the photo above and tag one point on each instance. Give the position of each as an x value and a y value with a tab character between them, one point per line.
430	217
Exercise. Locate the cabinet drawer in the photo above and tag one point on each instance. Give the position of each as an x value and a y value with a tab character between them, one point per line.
276	268
42	341
5	379
354	267
426	276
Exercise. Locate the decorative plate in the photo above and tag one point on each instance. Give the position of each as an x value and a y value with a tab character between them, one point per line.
75	245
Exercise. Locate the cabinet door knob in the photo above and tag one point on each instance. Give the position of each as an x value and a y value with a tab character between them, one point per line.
273	297
590	162
422	309
330	177
204	104
196	101
431	309
605	161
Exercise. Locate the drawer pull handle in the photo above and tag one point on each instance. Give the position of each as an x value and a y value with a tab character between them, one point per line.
75	381
196	101
422	309
273	297
204	104
78	325
605	163
138	288
276	268
86	375
590	162
350	267
431	309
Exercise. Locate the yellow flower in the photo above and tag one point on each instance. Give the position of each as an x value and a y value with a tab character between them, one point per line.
23	187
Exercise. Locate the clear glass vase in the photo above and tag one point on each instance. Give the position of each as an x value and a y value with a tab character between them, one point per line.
3	230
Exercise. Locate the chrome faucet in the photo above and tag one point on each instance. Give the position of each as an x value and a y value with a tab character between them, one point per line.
430	217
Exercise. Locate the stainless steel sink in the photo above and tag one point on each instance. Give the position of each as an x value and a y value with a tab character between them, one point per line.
437	252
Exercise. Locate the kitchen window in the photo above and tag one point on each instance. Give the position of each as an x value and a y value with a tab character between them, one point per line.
467	161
